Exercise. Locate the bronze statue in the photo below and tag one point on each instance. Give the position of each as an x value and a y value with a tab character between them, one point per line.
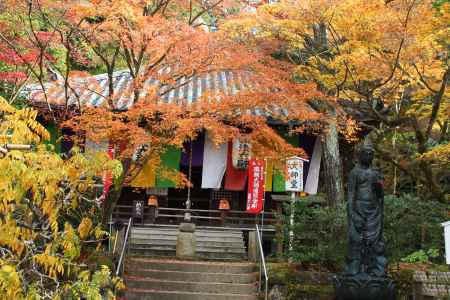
364	277
365	218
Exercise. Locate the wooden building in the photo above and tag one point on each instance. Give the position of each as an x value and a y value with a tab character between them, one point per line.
221	203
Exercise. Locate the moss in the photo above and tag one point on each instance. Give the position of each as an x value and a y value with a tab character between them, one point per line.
404	281
287	275
439	268
281	273
310	292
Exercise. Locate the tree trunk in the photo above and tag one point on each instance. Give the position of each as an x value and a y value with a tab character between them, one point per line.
332	166
110	204
113	197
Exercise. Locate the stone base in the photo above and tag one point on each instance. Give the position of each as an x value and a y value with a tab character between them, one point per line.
253	254
364	287
186	243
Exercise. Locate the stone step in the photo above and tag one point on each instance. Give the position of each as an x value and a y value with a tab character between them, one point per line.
174	238
197	232
211	244
194	276
199	248
175	233
222	256
147	294
217	250
217	255
205	258
217	243
190	266
161	235
188	286
158	228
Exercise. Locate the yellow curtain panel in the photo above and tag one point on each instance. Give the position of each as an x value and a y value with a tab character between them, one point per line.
146	177
269	175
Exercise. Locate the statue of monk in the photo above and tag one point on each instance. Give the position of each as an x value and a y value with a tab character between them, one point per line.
365	218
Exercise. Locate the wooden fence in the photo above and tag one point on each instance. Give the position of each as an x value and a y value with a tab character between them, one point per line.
232	218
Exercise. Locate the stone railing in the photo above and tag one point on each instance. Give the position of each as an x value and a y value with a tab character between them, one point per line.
431	284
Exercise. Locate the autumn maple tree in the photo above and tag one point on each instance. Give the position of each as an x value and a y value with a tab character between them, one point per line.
168	43
49	216
385	62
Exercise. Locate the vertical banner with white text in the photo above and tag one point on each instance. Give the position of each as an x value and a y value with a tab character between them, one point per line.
294	182
255	193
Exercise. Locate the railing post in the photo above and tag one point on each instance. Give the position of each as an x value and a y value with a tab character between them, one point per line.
124	247
262	263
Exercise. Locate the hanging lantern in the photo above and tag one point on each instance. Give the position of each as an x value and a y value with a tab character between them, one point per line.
152	201
241	153
224	204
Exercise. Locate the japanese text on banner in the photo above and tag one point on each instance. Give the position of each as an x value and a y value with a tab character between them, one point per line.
255	193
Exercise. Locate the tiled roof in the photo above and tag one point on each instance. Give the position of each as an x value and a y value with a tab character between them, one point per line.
92	91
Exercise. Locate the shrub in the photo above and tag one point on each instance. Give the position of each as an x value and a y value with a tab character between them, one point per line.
410	224
319	235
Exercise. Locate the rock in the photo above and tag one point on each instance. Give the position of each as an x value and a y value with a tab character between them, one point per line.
364	287
277	292
187	227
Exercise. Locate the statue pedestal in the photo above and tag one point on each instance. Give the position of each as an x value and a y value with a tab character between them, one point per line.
186	242
363	287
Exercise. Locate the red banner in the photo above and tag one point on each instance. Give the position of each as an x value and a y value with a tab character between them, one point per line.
255	192
107	177
234	178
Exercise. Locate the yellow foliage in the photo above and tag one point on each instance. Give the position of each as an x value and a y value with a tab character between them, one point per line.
38	190
439	155
85	227
21	122
369	42
10	283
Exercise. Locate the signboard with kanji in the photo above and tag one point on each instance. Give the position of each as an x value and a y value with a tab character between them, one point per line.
138	209
255	192
241	154
294	181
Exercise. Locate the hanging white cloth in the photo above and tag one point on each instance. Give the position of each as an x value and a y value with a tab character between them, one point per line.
214	164
312	181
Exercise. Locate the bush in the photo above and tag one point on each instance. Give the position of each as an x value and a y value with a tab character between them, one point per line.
319	235
410	224
296	284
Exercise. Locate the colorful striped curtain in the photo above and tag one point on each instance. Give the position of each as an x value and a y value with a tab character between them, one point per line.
170	160
279	181
197	151
214	164
269	175
146	177
235	179
312	180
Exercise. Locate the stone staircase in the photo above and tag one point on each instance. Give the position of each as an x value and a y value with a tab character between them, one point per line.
168	279
212	244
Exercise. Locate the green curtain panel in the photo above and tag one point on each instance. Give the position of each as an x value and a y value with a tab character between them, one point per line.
279	184
54	136
170	160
